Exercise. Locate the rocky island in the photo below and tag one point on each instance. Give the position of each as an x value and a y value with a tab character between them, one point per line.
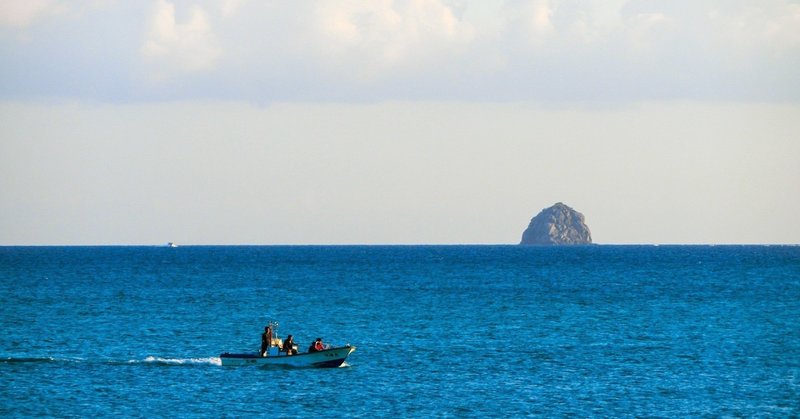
557	225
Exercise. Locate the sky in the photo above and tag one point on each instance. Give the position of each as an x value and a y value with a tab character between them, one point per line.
398	121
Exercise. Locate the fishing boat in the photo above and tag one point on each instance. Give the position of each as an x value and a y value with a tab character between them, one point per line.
329	357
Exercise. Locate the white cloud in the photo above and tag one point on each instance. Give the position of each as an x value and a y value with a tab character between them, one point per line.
538	15
354	50
231	7
21	13
180	47
643	29
371	36
773	25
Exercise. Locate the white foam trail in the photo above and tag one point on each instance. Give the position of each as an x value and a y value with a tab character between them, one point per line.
12	360
183	361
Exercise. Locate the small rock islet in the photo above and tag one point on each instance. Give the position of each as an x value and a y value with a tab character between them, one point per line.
557	225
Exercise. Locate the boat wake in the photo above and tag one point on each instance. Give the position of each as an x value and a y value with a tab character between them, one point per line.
36	360
179	361
150	360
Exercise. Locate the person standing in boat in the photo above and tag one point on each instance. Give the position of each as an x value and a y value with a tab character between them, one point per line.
266	341
288	346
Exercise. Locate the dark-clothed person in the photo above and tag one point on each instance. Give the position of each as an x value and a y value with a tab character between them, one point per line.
288	346
266	340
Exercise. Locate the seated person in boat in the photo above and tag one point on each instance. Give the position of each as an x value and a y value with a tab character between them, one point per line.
316	346
288	346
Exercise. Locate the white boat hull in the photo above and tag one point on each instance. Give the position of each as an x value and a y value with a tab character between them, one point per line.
328	358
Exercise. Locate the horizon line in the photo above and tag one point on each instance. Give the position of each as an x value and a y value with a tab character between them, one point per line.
166	245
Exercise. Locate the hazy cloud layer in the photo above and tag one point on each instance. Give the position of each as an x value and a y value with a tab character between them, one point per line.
231	173
348	50
177	48
20	14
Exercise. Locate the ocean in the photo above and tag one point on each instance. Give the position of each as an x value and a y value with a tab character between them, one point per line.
441	331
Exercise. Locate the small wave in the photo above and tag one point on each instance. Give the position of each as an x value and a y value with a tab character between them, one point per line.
179	361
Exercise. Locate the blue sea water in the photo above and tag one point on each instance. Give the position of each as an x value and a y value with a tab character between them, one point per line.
444	331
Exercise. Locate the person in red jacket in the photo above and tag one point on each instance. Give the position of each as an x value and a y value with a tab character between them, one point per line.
316	346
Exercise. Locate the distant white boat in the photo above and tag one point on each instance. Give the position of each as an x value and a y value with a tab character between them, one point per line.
171	244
